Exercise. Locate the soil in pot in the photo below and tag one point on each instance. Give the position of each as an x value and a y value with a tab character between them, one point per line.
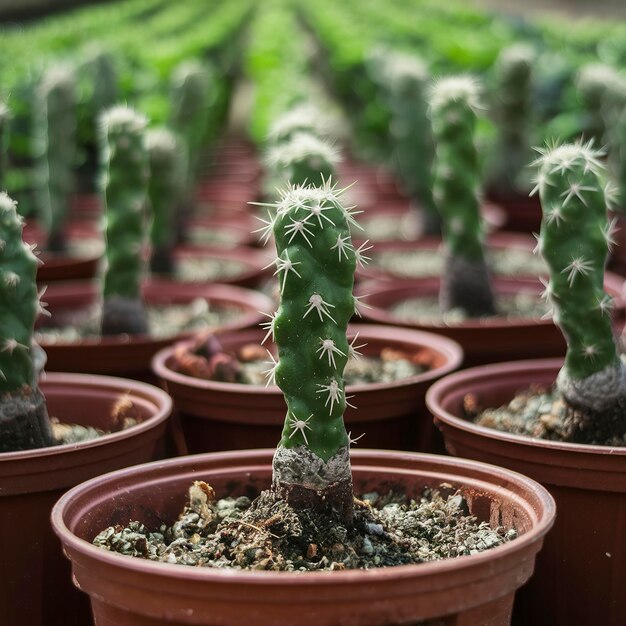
37	588
580	573
217	415
475	589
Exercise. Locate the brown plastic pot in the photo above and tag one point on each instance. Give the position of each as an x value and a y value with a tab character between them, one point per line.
470	590
61	266
130	356
500	240
581	573
219	416
523	213
36	589
487	340
253	263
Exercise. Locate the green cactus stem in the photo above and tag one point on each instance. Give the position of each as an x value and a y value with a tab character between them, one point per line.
167	182
104	79
302	118
465	282
594	82
619	157
574	241
24	420
55	149
407	78
5	123
303	159
315	265
512	113
125	186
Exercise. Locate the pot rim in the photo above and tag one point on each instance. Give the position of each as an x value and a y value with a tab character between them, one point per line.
126	386
241	296
544	522
449	348
501	285
439	389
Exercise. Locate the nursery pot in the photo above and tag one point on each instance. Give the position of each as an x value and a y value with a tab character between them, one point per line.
581	572
130	356
523	212
232	416
483	340
470	590
36	588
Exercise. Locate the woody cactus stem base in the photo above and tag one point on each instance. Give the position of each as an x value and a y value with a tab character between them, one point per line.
315	266
574	241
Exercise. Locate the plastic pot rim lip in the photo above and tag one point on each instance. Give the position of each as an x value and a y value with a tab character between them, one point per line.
347	577
248	316
163	401
438	389
449	348
501	285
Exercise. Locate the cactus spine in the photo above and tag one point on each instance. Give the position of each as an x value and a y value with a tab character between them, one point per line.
125	187
303	159
574	241
55	143
23	416
315	265
465	282
512	110
407	79
167	182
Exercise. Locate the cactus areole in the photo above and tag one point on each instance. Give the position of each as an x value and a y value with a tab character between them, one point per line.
23	416
315	265
125	194
574	241
465	282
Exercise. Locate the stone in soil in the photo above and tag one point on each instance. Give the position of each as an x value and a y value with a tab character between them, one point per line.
425	310
537	412
267	534
164	321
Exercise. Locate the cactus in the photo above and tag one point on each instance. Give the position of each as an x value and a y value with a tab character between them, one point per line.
406	78
465	281
574	241
23	416
125	185
619	156
593	83
512	110
104	79
303	159
5	120
167	182
304	117
55	149
315	265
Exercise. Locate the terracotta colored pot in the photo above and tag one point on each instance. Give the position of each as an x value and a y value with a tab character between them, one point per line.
86	206
225	196
218	416
36	589
469	590
483	341
500	240
62	266
581	572
523	213
253	263
130	356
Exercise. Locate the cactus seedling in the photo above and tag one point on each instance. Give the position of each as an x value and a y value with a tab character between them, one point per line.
315	264
23	416
407	78
303	159
574	241
512	110
55	143
465	281
302	118
167	182
125	185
